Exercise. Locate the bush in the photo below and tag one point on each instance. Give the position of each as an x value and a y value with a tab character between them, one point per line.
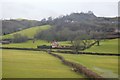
18	38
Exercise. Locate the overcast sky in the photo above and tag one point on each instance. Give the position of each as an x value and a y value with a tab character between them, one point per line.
38	9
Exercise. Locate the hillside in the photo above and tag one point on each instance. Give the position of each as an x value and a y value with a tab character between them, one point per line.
68	27
73	21
30	32
14	25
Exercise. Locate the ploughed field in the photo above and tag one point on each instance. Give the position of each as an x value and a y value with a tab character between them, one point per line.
106	66
34	64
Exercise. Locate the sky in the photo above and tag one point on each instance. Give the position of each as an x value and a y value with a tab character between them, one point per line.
39	9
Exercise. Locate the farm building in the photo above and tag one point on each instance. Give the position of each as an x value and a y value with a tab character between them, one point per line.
55	44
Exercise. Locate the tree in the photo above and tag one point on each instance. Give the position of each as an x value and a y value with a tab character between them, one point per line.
18	38
98	37
77	45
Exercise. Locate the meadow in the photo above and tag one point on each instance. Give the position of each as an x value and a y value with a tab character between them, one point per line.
106	46
29	32
34	64
106	66
30	44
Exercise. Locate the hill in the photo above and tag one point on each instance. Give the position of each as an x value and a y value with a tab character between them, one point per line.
68	27
30	32
14	25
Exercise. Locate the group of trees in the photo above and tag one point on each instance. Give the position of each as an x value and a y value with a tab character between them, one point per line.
65	28
69	27
18	38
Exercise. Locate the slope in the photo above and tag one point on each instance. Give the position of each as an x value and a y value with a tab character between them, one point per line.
30	32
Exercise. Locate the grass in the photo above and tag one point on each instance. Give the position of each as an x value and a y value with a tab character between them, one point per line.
107	46
34	64
30	32
65	43
106	66
30	44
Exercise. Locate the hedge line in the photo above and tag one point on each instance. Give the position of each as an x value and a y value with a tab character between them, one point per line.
32	49
68	52
78	68
89	53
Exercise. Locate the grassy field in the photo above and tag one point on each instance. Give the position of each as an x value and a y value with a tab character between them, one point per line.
106	66
30	32
107	46
34	64
30	44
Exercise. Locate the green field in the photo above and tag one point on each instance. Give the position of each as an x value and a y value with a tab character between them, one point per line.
30	44
107	46
30	32
34	64
106	66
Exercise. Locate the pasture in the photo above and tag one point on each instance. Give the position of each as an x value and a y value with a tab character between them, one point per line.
107	46
34	64
30	44
106	66
29	32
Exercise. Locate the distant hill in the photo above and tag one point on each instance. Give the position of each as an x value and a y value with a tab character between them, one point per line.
68	25
14	25
30	32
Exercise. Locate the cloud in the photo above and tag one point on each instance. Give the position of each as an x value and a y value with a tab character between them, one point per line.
38	9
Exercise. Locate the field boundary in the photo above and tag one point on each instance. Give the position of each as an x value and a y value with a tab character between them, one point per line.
31	49
64	52
78	67
89	53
